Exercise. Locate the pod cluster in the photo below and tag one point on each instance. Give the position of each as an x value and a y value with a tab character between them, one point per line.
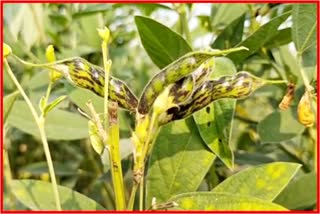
186	83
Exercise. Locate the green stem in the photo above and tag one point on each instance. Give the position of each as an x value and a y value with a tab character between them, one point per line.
116	169
111	116
141	195
40	124
107	66
184	22
132	196
305	79
275	81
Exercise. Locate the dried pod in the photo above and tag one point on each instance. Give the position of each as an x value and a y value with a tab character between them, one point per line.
288	97
305	113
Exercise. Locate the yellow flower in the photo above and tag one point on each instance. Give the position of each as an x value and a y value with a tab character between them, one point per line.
6	50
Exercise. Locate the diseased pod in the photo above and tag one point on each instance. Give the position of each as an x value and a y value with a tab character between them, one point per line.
238	86
83	74
176	71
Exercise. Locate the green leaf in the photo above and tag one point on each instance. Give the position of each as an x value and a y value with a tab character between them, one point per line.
231	35
95	139
264	181
80	97
30	29
214	122
8	102
161	43
304	25
224	14
283	37
275	127
210	201
178	163
300	194
259	38
38	195
126	148
53	104
61	169
60	125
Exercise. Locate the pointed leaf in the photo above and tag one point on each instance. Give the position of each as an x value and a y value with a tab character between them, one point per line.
38	195
260	37
161	43
264	181
8	102
53	104
304	25
300	194
275	128
95	139
225	13
210	201
214	122
178	163
231	35
283	37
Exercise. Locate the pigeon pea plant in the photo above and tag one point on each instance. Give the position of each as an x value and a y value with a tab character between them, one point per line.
181	90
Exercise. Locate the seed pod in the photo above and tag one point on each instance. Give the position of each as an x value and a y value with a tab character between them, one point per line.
168	75
305	113
174	72
238	86
86	75
182	90
288	98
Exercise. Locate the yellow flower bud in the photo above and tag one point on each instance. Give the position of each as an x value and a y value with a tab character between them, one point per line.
54	75
104	34
6	50
305	113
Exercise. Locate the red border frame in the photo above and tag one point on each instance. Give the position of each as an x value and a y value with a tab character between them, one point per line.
2	2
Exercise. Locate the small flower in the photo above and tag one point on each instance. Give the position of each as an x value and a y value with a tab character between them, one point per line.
6	50
54	75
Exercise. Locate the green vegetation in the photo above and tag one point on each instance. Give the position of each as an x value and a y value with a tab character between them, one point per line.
160	106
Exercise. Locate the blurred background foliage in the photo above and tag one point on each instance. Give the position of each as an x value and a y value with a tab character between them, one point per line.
260	132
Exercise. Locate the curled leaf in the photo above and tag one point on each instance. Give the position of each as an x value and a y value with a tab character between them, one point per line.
95	139
288	98
305	114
